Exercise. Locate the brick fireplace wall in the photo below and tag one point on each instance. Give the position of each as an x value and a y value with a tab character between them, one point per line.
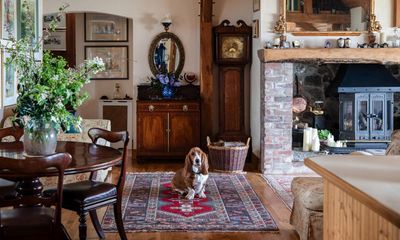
276	117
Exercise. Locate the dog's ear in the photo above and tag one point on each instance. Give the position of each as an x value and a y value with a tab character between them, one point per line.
187	169
204	163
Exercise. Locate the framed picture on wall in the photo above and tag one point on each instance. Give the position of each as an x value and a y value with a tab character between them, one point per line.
9	19
105	28
60	17
256	28
9	81
256	5
28	19
115	59
56	41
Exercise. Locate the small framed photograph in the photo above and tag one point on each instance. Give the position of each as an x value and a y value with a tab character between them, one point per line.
115	59
9	81
105	28
256	28
60	18
28	19
56	41
256	5
9	19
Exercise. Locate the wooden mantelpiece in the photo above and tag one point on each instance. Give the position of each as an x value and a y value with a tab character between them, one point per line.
332	55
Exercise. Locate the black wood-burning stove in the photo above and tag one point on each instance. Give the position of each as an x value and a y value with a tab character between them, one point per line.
366	102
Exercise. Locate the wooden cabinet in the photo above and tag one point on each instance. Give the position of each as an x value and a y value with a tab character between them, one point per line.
167	129
119	112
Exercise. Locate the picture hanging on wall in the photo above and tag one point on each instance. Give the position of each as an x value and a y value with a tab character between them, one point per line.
9	19
256	5
105	28
28	19
115	59
9	81
61	22
56	41
256	28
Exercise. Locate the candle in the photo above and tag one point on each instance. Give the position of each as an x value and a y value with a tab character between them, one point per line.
307	139
277	41
382	38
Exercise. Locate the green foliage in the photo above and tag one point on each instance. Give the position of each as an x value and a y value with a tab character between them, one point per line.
323	134
48	87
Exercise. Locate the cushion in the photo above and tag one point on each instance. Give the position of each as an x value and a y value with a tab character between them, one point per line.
37	221
309	191
86	192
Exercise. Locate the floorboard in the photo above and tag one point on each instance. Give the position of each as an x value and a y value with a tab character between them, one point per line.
274	205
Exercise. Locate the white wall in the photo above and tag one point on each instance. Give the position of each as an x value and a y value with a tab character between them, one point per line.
146	16
268	16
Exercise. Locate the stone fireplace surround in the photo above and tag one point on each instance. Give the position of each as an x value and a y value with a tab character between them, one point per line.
276	96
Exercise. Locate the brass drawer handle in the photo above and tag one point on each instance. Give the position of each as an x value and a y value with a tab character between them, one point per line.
151	108
185	108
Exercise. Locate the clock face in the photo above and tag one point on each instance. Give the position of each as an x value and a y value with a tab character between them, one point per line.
232	47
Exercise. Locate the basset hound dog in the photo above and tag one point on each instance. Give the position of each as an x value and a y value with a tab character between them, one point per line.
191	179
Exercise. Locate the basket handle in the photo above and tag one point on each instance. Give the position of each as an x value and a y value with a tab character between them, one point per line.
208	141
248	142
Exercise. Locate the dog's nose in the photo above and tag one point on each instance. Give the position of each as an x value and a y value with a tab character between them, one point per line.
197	161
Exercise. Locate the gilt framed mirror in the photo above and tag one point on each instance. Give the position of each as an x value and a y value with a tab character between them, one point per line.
327	17
166	54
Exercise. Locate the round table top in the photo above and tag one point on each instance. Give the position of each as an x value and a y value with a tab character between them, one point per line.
86	157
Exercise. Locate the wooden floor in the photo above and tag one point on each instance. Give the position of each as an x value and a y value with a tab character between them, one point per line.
274	205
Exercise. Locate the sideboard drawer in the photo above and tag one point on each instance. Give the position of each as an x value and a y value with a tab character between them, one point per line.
168	107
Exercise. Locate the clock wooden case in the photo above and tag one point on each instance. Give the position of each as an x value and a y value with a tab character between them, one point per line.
232	54
233	43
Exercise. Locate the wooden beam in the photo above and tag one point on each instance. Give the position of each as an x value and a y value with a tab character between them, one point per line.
397	13
206	69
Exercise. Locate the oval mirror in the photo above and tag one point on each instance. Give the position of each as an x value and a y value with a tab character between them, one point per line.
166	54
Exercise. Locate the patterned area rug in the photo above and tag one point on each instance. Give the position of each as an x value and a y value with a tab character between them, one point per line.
281	186
150	205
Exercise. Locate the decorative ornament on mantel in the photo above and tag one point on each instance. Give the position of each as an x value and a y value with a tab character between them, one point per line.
280	26
374	25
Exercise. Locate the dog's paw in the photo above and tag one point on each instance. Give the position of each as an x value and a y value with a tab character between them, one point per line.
202	195
190	194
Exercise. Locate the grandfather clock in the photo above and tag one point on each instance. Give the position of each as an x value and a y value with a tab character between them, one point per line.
232	54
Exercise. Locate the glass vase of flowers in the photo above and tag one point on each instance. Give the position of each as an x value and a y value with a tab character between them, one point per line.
166	84
47	90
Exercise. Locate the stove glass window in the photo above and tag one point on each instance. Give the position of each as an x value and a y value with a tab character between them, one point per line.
362	116
377	114
348	116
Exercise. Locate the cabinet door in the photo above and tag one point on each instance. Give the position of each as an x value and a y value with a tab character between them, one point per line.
185	132
152	133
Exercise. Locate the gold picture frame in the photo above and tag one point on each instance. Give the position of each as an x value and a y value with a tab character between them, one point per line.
256	28
256	5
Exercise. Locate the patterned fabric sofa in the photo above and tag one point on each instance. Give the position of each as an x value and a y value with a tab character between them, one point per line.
307	212
86	124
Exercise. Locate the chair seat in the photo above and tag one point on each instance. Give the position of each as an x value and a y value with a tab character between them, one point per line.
86	193
7	188
35	222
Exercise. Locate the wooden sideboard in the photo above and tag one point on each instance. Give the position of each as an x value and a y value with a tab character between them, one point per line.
361	196
167	129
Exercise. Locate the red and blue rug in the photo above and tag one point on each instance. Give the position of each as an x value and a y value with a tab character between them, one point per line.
150	205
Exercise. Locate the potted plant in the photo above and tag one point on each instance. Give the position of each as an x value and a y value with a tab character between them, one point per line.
46	89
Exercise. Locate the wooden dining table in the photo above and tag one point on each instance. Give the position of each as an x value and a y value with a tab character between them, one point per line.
86	157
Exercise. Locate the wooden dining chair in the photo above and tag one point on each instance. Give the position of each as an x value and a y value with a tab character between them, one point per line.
14	134
86	196
33	216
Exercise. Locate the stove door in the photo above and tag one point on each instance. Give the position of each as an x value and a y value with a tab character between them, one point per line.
377	116
362	110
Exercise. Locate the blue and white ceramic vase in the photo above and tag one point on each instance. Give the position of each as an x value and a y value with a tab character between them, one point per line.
167	91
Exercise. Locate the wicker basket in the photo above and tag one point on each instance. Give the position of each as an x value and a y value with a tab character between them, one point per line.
227	158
